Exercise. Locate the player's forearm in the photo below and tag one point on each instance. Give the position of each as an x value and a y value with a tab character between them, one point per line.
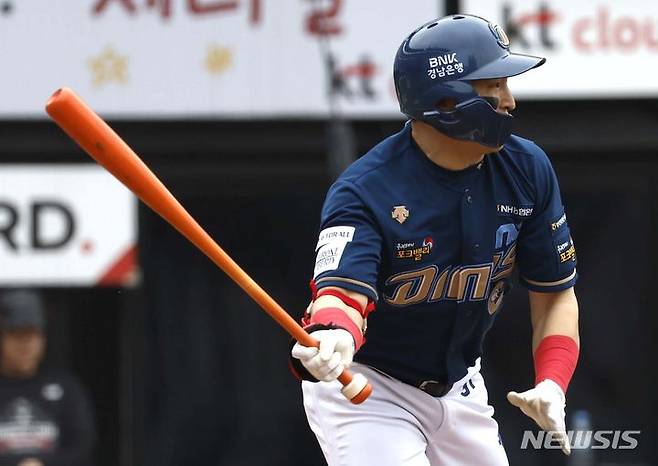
555	336
332	301
554	314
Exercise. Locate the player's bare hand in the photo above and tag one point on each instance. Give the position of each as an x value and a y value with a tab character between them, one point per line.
331	359
545	405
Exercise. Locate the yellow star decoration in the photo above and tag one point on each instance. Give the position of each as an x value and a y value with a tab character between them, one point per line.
107	67
218	59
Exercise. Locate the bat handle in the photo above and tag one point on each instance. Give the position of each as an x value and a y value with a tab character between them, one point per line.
356	387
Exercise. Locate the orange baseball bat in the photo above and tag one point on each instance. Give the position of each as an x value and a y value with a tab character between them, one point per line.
105	146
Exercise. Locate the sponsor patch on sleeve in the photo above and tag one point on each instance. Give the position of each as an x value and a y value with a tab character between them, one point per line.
335	234
559	223
566	251
331	245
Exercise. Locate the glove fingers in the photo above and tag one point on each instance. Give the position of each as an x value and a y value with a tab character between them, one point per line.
336	372
327	347
566	448
345	345
323	369
516	399
303	352
334	361
329	360
543	424
555	424
346	360
527	407
313	364
329	376
554	416
563	439
545	405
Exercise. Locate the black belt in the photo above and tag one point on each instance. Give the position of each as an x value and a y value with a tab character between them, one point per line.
434	387
431	387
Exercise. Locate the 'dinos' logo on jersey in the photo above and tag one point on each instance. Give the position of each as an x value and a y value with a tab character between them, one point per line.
415	250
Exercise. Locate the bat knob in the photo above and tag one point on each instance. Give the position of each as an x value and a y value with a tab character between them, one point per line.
358	390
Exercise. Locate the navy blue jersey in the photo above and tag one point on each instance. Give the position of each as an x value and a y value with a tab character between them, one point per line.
435	249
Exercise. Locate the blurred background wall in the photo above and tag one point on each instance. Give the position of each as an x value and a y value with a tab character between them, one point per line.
284	95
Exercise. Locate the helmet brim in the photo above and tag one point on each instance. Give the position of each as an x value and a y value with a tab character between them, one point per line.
512	64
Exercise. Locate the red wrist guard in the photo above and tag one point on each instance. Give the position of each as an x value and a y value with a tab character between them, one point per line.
555	359
350	302
334	317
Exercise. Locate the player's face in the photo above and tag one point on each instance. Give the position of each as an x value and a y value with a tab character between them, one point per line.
497	89
21	351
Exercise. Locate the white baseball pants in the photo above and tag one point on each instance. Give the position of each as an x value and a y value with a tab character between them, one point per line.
400	425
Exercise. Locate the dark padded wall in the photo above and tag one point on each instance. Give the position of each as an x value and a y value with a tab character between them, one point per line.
218	388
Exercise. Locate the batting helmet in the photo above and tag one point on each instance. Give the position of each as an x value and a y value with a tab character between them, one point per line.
435	64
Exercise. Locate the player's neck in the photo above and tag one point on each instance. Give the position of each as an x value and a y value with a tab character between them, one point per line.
446	152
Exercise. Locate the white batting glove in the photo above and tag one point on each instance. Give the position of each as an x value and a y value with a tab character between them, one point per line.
334	356
545	405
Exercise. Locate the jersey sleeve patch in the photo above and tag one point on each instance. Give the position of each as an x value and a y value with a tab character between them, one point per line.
559	223
331	245
335	235
565	251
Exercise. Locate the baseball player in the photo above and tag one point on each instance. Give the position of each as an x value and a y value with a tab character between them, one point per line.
427	227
